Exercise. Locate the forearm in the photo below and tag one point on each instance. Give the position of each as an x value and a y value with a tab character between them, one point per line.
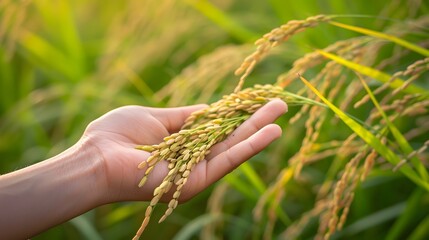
38	197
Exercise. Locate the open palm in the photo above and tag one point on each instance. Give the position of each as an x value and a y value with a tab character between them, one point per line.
116	133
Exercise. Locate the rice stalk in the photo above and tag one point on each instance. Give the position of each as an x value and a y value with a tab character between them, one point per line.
135	41
352	49
312	59
371	140
295	230
206	127
203	76
201	130
330	221
331	71
373	73
214	207
316	115
385	36
343	190
272	39
418	108
400	139
314	157
414	70
368	164
12	18
306	145
272	216
283	178
422	127
397	107
347	147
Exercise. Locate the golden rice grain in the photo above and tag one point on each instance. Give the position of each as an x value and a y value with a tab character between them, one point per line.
272	39
201	130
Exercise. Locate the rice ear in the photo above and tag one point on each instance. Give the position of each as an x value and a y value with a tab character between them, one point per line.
201	130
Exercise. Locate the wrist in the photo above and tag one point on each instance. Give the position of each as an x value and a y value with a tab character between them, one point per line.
86	157
50	192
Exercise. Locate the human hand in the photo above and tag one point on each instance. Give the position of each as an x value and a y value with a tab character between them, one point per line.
115	135
102	166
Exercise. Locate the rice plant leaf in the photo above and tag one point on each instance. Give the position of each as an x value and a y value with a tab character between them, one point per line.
287	175
373	73
7	96
59	17
421	231
223	20
283	13
400	139
258	184
370	139
240	186
85	227
253	177
374	219
47	55
407	218
196	225
399	41
121	213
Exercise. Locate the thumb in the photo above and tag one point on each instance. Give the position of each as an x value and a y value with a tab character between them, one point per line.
174	118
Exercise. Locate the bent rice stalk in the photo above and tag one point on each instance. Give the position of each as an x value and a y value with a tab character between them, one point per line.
201	130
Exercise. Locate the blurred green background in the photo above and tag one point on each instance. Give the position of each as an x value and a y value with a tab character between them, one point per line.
64	63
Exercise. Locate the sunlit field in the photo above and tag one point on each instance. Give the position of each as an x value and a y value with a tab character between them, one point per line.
352	162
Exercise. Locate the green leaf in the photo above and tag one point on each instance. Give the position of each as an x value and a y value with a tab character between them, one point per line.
400	139
373	73
385	36
7	96
421	231
401	225
84	226
257	184
121	213
253	177
234	180
62	29
371	140
374	219
287	175
47	55
223	20
193	227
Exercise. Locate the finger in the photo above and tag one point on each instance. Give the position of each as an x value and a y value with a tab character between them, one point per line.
208	172
265	115
174	118
233	157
